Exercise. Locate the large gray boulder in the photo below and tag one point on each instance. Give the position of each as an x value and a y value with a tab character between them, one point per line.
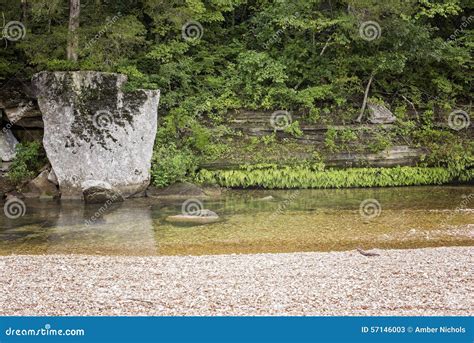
8	143
93	130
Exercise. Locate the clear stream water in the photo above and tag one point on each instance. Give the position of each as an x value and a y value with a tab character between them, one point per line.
295	220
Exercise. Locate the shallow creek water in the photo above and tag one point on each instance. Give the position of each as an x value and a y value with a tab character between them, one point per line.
295	220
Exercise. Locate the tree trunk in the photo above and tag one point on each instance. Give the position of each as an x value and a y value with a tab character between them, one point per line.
24	11
73	38
364	104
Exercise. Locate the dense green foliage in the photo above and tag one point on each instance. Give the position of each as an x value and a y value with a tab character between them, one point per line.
307	177
171	165
29	159
305	56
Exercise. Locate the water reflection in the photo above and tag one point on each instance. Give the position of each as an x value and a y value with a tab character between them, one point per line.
67	227
294	220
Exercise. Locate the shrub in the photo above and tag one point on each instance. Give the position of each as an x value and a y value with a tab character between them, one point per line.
170	165
29	159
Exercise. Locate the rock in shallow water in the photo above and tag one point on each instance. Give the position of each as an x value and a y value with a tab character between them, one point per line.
200	217
177	190
95	131
184	190
99	192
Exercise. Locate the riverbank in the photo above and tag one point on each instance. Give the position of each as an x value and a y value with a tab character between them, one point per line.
433	281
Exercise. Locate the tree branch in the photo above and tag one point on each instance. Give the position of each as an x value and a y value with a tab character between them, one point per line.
325	46
411	104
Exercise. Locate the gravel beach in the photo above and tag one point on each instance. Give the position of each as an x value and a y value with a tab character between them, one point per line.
432	281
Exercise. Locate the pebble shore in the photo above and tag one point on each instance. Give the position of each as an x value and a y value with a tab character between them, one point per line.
429	282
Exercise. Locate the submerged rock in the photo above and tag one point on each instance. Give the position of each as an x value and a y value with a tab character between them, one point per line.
200	217
379	114
184	190
8	143
95	131
99	192
176	190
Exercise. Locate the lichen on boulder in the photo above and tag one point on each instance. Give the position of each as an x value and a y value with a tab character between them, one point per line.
93	130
